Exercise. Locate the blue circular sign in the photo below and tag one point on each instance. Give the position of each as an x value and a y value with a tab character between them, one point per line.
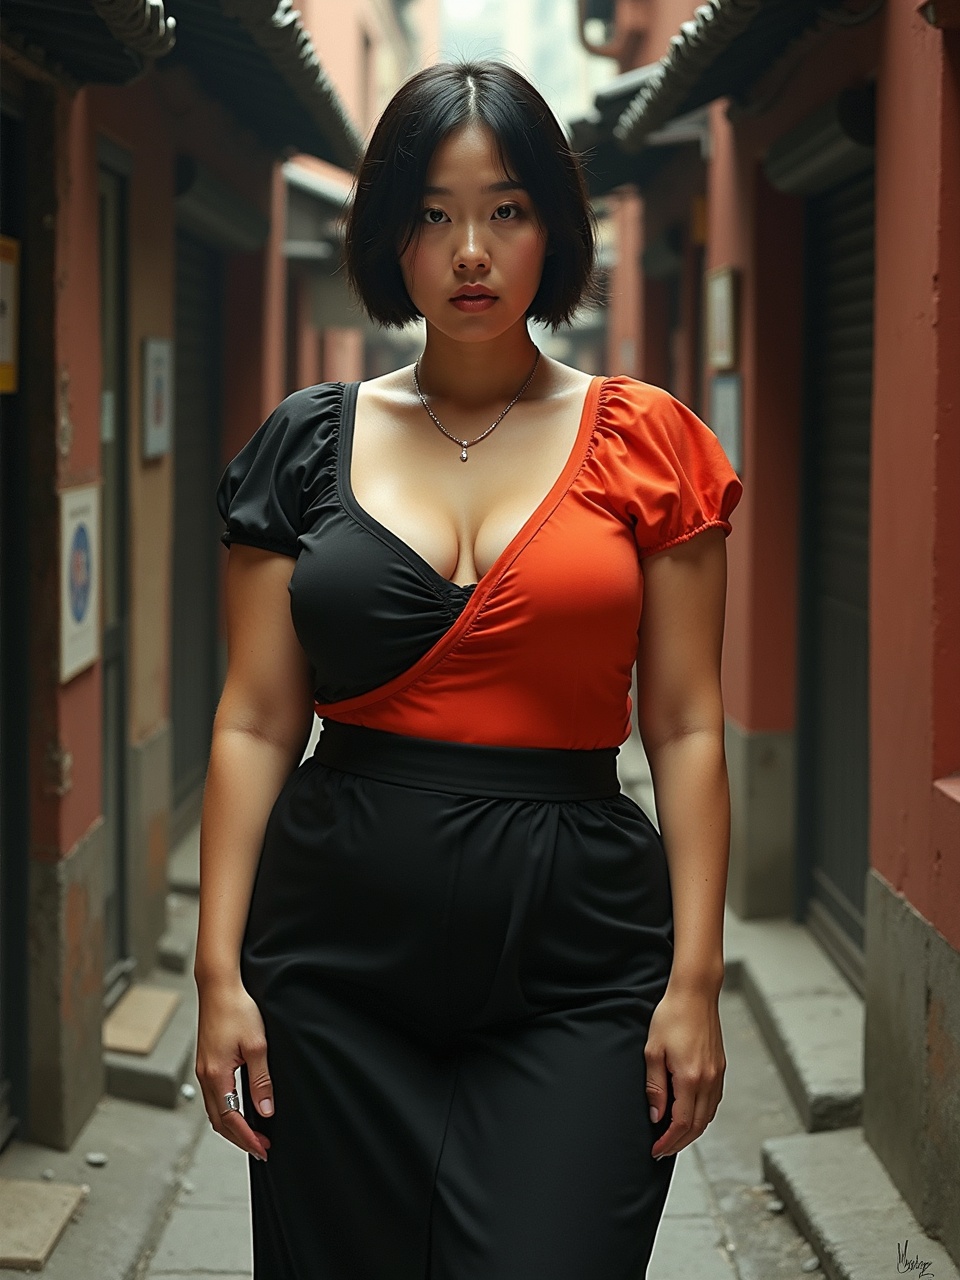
81	570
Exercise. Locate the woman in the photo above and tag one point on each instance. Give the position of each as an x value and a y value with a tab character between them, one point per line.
472	995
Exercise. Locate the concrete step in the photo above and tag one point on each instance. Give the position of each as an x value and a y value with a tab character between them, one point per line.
183	867
842	1199
809	1016
177	946
156	1077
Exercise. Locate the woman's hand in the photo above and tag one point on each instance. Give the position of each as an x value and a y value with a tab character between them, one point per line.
685	1041
231	1032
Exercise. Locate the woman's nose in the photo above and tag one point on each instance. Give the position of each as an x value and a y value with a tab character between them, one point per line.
472	251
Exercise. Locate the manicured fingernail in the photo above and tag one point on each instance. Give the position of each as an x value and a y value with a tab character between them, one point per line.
653	1114
256	1155
266	1107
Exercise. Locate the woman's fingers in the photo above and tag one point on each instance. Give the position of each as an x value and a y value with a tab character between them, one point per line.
231	1125
258	1077
239	1132
657	1086
231	1035
695	1105
681	1118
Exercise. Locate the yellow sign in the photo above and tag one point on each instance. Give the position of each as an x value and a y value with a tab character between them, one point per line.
9	311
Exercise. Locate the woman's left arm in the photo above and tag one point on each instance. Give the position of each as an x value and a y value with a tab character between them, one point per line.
680	716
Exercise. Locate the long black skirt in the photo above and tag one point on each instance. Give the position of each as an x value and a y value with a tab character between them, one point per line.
456	951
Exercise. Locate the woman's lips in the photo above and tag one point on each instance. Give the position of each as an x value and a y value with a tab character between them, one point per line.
481	303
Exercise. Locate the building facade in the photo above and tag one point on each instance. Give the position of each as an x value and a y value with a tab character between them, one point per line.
787	182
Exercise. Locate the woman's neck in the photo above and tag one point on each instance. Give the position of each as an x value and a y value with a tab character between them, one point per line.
476	374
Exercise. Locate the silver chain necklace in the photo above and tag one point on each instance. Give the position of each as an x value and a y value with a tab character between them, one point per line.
465	444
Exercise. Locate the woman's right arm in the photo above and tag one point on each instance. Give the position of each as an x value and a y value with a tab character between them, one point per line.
259	734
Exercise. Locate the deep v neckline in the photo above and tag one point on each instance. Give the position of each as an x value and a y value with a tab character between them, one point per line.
534	521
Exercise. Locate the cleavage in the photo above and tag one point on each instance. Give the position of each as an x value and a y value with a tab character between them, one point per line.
458	545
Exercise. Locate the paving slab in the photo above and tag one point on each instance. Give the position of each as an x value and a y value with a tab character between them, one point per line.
843	1200
689	1194
136	1022
695	1249
198	1239
33	1216
219	1175
208	1231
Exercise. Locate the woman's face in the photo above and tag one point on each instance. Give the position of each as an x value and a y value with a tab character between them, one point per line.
477	227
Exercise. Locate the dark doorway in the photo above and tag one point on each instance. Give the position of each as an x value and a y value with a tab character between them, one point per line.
117	964
833	734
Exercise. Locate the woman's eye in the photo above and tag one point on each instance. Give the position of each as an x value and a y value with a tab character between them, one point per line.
510	208
433	221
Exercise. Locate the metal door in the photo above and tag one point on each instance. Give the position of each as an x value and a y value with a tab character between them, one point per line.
197	401
833	729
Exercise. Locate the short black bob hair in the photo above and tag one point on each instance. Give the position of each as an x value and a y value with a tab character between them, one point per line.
388	194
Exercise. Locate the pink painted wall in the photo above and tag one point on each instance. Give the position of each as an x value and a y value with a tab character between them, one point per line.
759	231
915	495
60	821
625	314
153	119
915	517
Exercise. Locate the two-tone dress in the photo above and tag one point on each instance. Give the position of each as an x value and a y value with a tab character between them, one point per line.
460	925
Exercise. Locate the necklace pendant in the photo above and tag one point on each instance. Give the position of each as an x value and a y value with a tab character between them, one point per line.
463	454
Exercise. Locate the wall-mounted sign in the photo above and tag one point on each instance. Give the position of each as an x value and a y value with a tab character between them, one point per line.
9	312
79	579
721	317
157	397
726	416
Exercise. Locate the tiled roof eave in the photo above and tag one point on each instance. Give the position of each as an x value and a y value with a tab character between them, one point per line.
692	50
141	25
277	30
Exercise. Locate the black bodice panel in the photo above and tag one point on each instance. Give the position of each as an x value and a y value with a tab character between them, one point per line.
365	606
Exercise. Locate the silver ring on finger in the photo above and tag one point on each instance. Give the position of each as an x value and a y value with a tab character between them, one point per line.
233	1102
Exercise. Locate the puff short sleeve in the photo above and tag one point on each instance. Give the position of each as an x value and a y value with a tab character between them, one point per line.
678	480
265	490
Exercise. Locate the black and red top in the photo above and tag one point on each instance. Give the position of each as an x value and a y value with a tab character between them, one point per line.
539	652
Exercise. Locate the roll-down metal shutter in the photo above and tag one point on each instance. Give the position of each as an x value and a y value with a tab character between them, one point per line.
197	397
834	639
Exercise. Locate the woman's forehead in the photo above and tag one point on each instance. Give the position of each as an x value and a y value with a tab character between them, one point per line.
468	157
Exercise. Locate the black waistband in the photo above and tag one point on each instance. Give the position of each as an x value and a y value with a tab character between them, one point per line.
530	773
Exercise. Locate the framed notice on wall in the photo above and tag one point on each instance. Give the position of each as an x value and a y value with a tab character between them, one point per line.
722	317
157	396
79	579
726	416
